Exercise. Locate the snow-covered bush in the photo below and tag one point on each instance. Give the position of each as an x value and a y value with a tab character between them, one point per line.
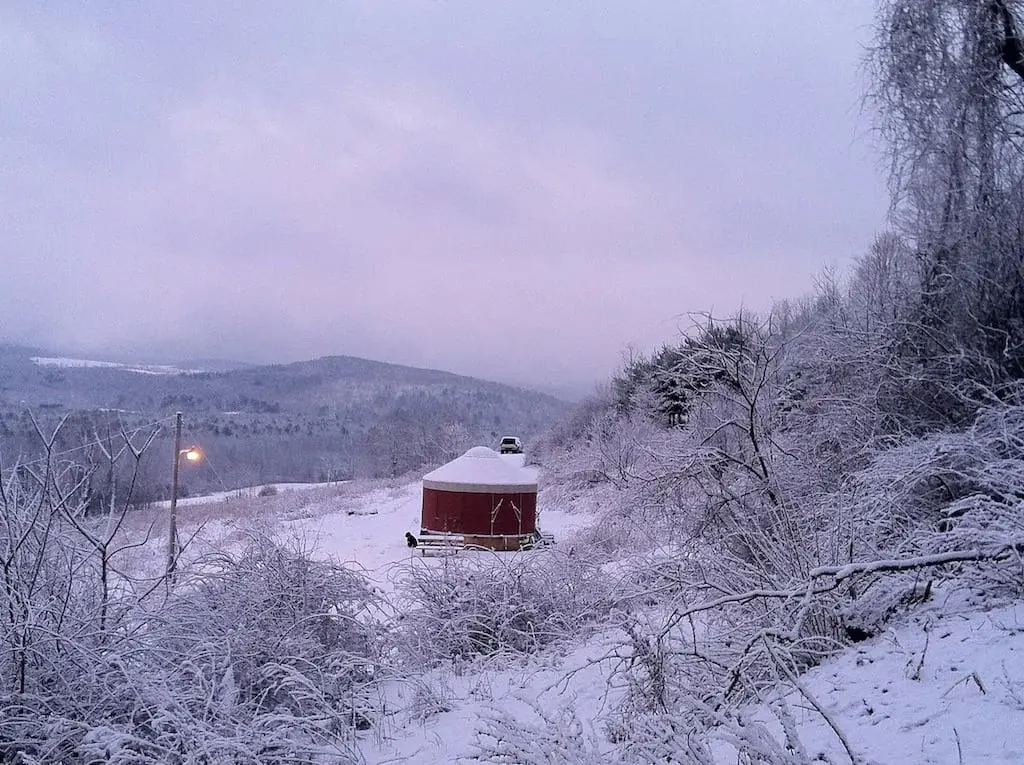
430	696
263	657
274	630
270	658
693	733
480	604
547	738
952	489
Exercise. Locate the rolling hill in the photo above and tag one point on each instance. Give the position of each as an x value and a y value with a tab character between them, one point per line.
326	419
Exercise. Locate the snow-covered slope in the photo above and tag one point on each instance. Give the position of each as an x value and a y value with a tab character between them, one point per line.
146	369
945	685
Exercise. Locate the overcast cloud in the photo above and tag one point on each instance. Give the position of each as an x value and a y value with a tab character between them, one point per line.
510	190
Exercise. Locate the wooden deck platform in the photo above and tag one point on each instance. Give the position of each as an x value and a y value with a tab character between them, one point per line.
439	544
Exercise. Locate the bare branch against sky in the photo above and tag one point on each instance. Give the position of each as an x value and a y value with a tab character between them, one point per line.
516	191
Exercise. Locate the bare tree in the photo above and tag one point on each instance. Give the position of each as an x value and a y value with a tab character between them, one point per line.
262	657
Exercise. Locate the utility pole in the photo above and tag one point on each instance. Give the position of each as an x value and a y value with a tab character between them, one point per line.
172	531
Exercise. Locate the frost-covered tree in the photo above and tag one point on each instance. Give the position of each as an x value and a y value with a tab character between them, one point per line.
949	92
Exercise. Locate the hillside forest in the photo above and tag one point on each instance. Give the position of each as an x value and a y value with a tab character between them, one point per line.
331	419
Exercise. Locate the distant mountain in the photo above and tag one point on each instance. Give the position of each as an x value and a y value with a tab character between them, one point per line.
33	377
334	417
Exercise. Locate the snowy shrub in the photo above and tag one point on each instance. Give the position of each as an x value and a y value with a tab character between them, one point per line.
702	734
479	604
266	657
645	738
694	733
952	492
548	738
430	697
611	537
272	630
689	698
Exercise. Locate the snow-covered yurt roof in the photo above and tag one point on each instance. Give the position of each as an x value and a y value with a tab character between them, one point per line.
481	470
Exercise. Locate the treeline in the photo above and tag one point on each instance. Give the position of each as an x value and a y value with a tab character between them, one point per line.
387	434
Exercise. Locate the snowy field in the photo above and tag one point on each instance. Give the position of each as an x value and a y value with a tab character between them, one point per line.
945	685
362	523
142	369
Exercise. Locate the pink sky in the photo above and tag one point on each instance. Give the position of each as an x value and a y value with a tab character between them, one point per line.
516	191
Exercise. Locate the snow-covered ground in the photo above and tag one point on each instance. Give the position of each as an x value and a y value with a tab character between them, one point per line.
945	685
360	523
231	495
143	369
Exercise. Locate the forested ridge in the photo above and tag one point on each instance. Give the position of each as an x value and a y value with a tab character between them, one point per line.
329	419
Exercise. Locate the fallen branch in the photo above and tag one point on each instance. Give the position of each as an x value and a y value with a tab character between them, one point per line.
835	575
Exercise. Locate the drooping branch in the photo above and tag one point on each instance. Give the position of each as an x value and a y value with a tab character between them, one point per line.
1012	48
825	579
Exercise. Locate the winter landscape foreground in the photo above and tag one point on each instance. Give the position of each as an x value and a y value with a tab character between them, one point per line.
944	684
558	655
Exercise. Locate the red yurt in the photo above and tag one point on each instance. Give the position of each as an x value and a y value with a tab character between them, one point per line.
488	499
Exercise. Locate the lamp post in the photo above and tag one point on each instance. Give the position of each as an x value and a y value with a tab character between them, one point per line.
192	454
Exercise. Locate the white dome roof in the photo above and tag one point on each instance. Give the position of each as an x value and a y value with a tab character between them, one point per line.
481	470
481	452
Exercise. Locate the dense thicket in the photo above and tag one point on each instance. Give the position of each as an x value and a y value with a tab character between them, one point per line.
949	91
789	482
784	485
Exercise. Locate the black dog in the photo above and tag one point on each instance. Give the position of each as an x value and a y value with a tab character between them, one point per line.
410	540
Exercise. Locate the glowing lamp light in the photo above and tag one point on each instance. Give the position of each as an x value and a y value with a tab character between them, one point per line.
191	454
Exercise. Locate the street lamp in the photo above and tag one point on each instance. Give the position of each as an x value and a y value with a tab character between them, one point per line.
192	454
